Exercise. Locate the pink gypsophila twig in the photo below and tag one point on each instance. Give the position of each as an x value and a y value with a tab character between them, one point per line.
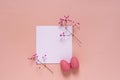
65	21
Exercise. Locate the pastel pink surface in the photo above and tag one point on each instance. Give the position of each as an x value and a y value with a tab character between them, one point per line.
99	54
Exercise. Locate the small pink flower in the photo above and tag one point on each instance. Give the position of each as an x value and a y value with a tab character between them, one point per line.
78	23
60	35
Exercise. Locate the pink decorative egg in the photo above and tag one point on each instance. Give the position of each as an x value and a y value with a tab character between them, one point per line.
74	63
65	66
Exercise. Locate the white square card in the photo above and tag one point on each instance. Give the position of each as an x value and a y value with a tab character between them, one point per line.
50	46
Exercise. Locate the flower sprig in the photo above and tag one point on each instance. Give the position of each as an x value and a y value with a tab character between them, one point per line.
66	21
34	57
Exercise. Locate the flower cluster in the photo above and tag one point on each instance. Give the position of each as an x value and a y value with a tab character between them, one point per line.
66	21
34	57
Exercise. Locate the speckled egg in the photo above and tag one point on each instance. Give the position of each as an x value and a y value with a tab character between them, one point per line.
65	66
74	63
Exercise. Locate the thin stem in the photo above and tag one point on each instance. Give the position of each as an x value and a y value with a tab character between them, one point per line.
74	35
45	66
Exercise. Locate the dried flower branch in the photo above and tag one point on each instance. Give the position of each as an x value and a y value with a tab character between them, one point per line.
34	57
64	22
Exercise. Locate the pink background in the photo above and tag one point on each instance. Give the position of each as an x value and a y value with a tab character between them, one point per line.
99	55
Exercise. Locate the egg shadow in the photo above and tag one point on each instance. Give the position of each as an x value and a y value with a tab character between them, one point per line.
75	71
66	74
